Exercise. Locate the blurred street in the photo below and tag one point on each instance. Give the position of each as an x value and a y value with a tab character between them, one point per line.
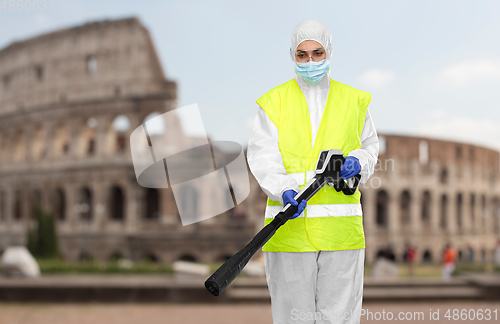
209	314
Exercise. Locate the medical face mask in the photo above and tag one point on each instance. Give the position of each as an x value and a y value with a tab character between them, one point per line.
312	72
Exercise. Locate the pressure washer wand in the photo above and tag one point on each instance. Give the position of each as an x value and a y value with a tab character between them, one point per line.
327	171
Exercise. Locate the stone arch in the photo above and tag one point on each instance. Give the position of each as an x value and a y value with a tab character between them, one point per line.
58	202
426	208
483	211
472	209
470	253
405	203
35	202
5	152
20	146
117	134
85	203
382	211
495	211
427	256
17	205
459	211
152	203
88	137
187	257
443	175
381	253
61	140
443	212
38	145
116	203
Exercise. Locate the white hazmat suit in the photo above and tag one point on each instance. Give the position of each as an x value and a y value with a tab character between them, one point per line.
319	286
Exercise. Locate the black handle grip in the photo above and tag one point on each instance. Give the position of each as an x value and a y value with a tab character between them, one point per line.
227	272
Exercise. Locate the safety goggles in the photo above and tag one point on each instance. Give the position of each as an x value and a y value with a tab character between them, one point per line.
304	55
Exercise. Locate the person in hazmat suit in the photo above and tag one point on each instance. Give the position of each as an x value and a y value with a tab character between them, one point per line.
315	262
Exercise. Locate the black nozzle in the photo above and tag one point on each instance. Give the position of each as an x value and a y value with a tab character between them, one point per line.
212	287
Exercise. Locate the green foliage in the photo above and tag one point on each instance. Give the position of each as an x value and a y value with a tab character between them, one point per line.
59	266
42	240
471	267
32	241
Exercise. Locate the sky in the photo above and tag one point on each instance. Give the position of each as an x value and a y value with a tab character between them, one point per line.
432	67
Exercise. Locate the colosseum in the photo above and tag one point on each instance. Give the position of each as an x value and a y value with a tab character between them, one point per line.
69	101
430	192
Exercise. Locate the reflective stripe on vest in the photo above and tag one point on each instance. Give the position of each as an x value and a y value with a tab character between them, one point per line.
334	210
302	177
332	220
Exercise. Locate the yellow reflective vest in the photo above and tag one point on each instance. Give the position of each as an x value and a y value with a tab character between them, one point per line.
331	220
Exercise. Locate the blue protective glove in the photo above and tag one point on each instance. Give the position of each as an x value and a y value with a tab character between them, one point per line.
350	168
288	198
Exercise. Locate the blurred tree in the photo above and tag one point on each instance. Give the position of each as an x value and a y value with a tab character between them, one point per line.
42	240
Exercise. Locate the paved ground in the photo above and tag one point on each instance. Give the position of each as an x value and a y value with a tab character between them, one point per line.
218	314
170	289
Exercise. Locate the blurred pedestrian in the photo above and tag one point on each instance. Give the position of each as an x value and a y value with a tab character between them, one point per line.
497	254
411	255
449	257
470	253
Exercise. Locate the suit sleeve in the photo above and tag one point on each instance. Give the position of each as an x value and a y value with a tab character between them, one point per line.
265	160
368	153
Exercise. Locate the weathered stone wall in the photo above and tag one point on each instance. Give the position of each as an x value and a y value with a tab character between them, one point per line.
60	96
452	196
